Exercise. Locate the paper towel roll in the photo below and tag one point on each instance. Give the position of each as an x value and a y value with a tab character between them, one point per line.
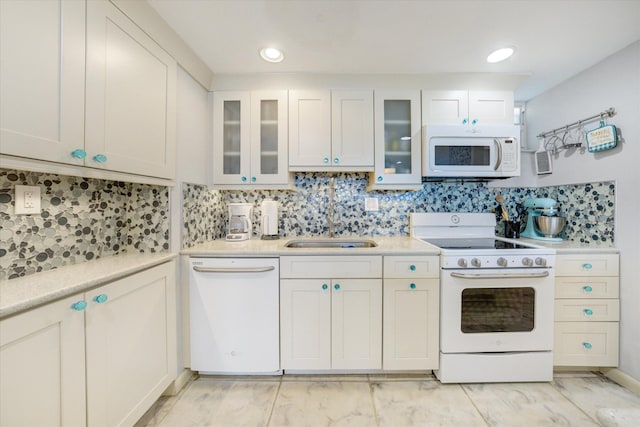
269	210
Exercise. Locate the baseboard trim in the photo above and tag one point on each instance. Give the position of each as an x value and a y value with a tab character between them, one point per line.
623	379
179	383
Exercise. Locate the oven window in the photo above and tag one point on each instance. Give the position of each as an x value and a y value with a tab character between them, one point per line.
462	155
497	310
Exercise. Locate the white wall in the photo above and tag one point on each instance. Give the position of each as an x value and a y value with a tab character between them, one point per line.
614	82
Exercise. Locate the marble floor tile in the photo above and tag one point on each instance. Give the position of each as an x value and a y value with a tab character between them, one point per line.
211	402
423	403
323	403
525	404
591	394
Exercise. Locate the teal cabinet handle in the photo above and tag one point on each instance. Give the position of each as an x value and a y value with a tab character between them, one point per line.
100	158
587	288
336	286
243	179
101	299
336	160
588	311
412	286
253	179
325	160
324	287
587	266
412	267
79	154
587	345
474	121
379	178
79	306
465	121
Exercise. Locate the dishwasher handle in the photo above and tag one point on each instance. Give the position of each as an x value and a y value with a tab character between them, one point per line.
233	270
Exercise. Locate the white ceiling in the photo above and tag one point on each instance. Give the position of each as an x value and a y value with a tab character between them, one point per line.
555	39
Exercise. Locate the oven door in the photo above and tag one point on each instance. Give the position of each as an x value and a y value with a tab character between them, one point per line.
496	310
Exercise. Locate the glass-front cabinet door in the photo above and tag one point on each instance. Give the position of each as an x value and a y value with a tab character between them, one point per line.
397	138
250	138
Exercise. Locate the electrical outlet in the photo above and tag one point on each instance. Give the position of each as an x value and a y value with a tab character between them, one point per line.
27	199
371	204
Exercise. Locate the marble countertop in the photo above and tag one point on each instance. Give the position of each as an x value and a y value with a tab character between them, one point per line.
256	247
27	292
572	247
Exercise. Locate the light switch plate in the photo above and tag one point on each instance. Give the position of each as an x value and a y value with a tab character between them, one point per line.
27	199
371	204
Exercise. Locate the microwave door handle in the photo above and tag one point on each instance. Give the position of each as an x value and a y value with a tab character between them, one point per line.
499	152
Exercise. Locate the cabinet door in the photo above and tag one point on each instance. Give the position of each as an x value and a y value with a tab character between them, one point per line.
269	138
411	328
491	107
131	91
305	328
42	45
398	137
42	369
447	107
352	129
130	345
231	138
356	324
309	129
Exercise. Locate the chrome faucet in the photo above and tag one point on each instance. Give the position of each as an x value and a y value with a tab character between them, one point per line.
331	222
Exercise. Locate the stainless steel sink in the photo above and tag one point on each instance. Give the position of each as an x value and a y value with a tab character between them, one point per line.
331	243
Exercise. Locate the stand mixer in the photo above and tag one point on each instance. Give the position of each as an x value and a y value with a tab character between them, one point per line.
542	220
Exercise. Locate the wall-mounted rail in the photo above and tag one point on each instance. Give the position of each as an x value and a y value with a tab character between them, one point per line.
607	113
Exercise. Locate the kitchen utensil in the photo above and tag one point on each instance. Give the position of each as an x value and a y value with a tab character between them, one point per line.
543	160
549	228
269	220
500	201
512	229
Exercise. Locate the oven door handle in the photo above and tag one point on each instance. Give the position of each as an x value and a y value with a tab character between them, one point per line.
501	276
499	153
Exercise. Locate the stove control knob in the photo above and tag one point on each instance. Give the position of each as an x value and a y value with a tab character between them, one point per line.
462	262
526	261
541	262
502	262
476	262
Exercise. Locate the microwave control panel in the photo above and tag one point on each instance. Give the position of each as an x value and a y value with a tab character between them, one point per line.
509	154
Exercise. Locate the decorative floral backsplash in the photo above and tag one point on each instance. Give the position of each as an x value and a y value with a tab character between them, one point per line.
81	219
589	208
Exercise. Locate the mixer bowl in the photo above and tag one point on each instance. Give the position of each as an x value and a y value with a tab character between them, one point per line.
549	226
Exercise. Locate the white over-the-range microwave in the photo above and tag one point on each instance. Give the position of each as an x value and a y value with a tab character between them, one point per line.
488	151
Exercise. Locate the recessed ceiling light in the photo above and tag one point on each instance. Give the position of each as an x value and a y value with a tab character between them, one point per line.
500	55
271	54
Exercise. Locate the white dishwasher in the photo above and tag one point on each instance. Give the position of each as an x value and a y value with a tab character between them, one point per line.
234	315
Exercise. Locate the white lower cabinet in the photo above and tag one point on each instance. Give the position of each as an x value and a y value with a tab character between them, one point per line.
587	310
100	358
411	313
331	323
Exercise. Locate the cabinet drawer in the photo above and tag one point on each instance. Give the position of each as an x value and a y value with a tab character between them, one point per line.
585	344
411	266
587	265
587	287
319	267
587	310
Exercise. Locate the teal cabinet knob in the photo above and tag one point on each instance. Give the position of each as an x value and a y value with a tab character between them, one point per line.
253	179
587	345
79	154
325	160
336	160
324	287
588	311
412	286
101	299
412	267
474	121
587	266
100	158
587	288
379	178
465	121
79	306
336	286
243	179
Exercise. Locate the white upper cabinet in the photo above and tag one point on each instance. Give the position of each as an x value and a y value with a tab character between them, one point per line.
130	101
331	130
42	52
398	139
250	139
459	107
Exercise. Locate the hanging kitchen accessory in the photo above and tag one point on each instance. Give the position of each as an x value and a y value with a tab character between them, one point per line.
602	138
543	160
